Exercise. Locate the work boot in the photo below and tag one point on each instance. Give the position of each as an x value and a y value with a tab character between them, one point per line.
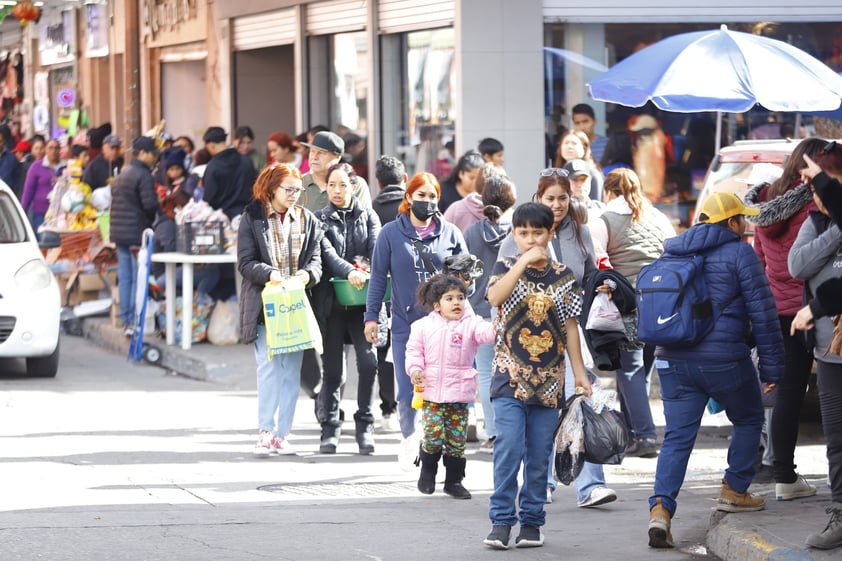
831	536
659	526
365	436
732	501
429	468
330	439
453	476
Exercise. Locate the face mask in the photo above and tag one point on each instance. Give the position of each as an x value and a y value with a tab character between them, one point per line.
422	210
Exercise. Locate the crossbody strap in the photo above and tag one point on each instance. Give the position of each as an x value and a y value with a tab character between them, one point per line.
423	251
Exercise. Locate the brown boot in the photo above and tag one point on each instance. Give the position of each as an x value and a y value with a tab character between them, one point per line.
659	526
731	501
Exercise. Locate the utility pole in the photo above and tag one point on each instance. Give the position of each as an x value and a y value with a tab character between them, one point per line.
131	70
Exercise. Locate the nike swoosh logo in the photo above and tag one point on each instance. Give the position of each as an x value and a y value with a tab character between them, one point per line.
662	321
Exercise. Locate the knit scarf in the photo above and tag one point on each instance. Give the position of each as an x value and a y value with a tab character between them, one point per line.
283	239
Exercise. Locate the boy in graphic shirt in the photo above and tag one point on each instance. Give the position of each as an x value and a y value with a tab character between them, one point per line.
538	302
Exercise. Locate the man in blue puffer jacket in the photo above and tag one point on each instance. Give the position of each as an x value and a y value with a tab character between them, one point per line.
719	366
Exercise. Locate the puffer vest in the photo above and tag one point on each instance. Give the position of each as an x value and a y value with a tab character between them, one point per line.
631	245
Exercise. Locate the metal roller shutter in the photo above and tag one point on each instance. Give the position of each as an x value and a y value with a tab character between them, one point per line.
336	16
396	16
268	29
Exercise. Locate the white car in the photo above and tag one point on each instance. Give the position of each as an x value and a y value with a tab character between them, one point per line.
30	300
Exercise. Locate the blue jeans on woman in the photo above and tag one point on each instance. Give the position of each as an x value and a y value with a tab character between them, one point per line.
633	388
524	436
685	389
277	386
406	414
592	475
126	283
485	354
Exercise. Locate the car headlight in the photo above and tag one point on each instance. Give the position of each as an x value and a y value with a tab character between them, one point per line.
34	275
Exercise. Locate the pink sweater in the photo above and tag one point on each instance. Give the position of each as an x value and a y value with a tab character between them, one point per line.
445	351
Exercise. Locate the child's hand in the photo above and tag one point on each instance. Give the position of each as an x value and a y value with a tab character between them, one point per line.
583	383
535	256
417	379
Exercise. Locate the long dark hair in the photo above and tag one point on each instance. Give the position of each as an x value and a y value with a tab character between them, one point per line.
574	212
791	175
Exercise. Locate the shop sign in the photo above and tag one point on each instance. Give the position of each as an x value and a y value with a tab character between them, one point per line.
167	15
56	34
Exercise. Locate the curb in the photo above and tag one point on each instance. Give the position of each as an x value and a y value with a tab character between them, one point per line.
770	535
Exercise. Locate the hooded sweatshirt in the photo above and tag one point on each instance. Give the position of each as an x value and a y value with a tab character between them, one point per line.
395	254
775	231
484	240
465	212
387	202
228	180
733	276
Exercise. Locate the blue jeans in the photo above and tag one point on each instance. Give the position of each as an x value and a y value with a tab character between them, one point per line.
592	475
277	386
126	283
685	389
485	354
406	414
524	436
633	388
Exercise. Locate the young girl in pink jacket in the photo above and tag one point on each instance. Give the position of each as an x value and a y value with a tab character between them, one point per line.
439	358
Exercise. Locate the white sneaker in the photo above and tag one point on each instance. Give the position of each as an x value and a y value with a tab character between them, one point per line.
549	495
598	496
795	490
263	446
282	447
389	423
408	452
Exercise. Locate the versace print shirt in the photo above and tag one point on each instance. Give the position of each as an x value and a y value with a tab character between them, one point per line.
531	335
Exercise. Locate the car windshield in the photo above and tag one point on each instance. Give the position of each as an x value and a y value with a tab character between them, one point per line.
12	228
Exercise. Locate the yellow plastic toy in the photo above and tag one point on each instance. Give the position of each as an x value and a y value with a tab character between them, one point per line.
417	397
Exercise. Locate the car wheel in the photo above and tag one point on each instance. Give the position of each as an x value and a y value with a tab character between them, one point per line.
43	366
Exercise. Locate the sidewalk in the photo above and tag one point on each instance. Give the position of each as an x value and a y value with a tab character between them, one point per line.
775	534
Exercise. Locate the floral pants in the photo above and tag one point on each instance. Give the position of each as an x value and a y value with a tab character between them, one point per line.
445	428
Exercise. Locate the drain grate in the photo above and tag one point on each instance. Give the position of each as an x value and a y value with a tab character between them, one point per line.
343	490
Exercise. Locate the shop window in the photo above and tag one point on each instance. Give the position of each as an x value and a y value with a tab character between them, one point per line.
419	116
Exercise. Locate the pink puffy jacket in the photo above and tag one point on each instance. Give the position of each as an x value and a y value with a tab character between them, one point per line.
445	351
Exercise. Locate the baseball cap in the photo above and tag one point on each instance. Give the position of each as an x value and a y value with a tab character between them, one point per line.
328	141
577	168
144	143
215	134
112	140
22	146
722	206
762	172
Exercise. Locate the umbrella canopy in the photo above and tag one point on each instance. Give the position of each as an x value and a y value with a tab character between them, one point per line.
721	70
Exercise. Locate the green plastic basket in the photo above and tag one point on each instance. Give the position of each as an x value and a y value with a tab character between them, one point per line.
347	295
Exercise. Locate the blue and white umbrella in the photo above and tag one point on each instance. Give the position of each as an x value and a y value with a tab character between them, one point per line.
721	70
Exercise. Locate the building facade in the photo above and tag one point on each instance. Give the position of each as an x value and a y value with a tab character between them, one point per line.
407	75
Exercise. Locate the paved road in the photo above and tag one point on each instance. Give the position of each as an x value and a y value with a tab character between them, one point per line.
112	460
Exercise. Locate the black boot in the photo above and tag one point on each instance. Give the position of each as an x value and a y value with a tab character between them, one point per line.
330	439
454	474
365	436
429	468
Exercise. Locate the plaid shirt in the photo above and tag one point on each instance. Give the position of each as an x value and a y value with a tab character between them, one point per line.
283	238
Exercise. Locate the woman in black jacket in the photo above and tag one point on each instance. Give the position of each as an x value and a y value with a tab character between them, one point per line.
349	234
277	239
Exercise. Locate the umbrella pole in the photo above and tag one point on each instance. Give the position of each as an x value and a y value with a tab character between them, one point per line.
718	131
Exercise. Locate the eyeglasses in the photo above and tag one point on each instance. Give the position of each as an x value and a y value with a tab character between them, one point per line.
549	171
292	190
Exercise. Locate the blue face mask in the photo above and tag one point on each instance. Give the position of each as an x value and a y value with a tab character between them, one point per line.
422	210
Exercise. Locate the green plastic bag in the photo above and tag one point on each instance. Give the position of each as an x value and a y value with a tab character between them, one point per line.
290	323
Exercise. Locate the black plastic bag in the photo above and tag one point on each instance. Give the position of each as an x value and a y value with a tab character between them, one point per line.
606	435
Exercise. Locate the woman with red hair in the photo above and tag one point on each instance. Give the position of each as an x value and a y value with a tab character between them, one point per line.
277	239
281	148
410	249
